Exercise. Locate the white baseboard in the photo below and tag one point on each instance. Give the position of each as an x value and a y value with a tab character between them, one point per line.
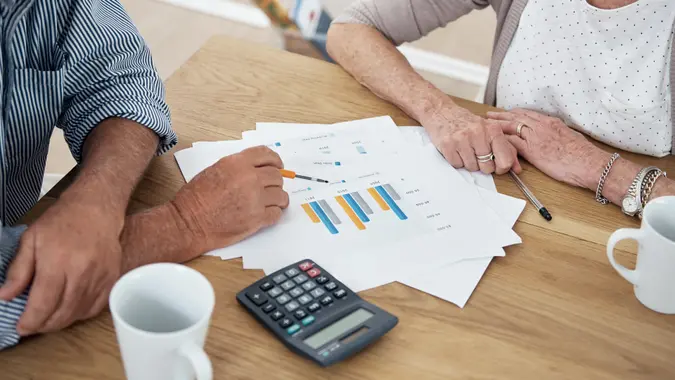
229	10
447	66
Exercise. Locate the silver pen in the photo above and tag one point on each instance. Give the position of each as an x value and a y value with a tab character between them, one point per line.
542	210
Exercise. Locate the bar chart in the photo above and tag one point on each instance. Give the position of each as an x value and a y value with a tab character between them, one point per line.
354	206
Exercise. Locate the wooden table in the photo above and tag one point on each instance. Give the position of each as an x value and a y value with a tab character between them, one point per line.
552	308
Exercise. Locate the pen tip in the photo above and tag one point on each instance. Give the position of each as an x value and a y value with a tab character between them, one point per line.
547	215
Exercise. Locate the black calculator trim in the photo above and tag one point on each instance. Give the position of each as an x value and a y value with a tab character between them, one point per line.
378	325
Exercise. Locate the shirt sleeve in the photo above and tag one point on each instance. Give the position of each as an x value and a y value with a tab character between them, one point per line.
12	310
407	20
108	73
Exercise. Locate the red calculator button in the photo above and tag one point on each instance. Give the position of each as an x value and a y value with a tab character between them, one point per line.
313	272
307	265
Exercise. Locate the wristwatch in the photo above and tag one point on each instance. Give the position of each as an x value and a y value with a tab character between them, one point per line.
631	204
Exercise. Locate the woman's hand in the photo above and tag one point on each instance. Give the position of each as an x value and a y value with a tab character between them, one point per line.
462	137
554	148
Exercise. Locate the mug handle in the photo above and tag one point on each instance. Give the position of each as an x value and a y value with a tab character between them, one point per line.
618	235
199	360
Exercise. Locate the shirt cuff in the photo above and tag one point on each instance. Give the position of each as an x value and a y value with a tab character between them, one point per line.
143	112
11	311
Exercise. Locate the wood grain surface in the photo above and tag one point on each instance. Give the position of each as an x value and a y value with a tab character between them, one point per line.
553	308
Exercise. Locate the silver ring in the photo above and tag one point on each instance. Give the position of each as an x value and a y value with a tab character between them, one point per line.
486	158
519	129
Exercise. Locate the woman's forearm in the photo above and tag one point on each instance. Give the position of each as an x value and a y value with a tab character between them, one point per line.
376	63
621	177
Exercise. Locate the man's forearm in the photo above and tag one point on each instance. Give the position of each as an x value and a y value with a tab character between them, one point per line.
376	63
157	235
115	156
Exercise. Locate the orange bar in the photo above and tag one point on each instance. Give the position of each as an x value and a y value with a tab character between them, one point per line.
310	213
350	213
383	205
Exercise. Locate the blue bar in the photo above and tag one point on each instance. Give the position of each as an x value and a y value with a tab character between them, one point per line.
324	218
357	209
391	202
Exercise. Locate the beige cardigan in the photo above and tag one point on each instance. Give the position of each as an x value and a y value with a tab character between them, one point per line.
409	20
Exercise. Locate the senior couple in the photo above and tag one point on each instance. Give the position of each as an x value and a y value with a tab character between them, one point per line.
561	69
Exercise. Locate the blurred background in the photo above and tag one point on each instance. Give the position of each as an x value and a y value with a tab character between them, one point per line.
454	58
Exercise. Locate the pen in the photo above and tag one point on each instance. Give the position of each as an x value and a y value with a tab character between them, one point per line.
542	210
291	174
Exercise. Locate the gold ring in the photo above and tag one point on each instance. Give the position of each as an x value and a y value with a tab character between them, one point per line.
519	129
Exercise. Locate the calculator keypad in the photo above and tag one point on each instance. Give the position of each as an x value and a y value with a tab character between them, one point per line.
291	297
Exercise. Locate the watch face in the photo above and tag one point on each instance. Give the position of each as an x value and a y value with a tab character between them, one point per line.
630	205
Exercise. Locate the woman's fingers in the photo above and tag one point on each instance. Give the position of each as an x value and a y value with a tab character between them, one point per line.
505	154
481	146
468	156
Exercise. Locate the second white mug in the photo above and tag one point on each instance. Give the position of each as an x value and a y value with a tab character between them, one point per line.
161	314
654	275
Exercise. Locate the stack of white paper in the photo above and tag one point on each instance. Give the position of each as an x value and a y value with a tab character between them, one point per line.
394	209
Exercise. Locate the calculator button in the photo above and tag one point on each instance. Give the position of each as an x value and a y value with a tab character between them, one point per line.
268	308
257	297
340	293
321	280
313	272
293	329
265	286
279	279
331	286
292	306
313	307
285	323
275	292
305	299
300	314
308	321
309	285
288	285
295	293
276	315
318	292
282	299
305	266
292	272
300	279
327	300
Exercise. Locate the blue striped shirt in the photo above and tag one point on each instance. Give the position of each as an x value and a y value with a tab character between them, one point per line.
69	64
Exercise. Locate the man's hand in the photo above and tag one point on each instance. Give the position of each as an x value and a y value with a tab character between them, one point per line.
72	255
234	198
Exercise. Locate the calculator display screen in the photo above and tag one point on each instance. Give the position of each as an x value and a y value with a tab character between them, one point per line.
338	328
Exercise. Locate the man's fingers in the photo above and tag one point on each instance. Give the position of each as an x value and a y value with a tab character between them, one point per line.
505	154
272	215
516	164
64	315
270	176
511	127
449	152
505	116
20	270
96	308
44	297
263	156
275	196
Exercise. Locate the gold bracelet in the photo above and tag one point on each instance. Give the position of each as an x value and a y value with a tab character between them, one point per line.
650	181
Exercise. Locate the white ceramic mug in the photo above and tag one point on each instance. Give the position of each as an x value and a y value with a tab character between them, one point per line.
161	314
654	274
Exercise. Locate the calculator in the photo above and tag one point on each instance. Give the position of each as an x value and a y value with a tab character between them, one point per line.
314	314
